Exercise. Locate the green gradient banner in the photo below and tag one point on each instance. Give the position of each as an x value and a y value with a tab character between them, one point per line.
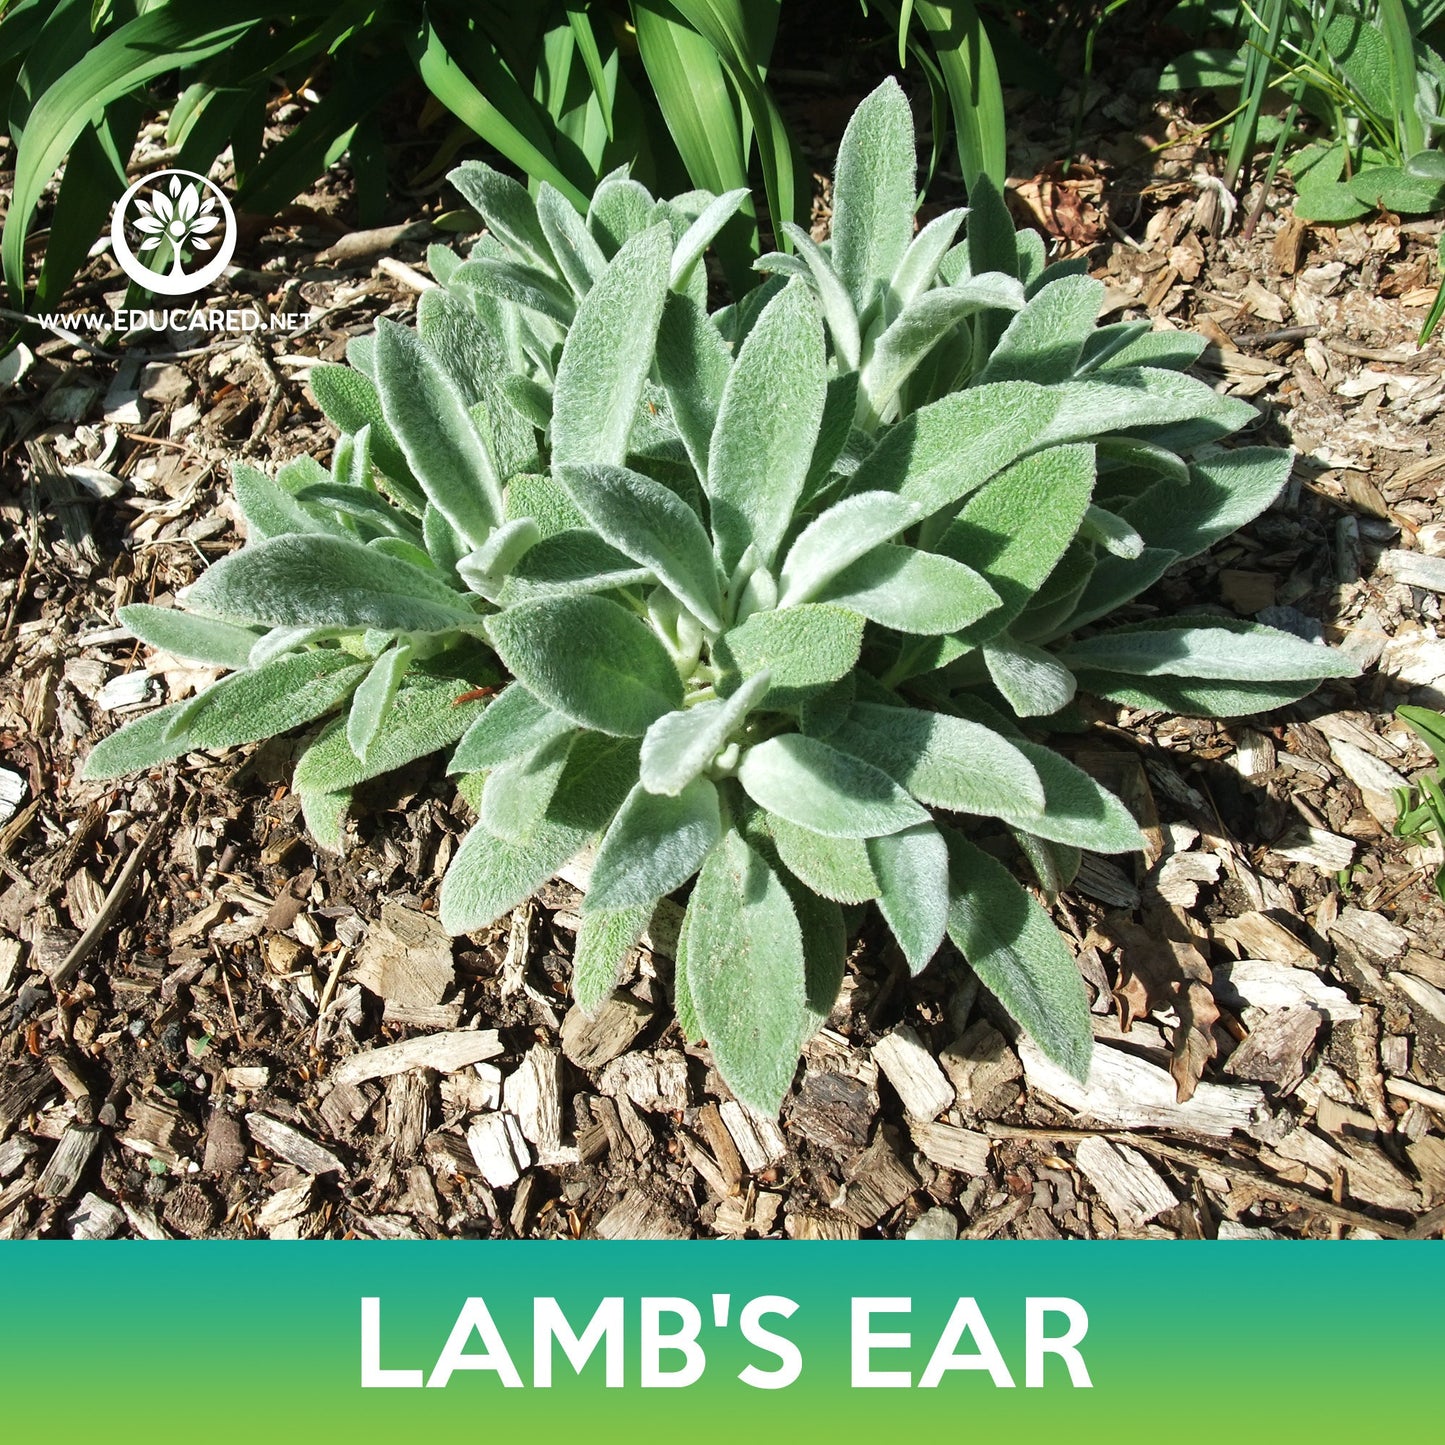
1184	1342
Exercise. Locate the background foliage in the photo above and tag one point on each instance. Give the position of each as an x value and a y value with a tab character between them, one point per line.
565	90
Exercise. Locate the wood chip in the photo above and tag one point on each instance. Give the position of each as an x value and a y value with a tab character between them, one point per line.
292	1145
637	1215
446	1053
1125	1092
441	1016
656	1082
1316	846
61	1175
1375	779
1261	936
1125	1181
983	1069
1369	1176
1372	934
759	1141
285	1205
914	1073
820	1224
406	958
755	1213
190	1211
1425	997
878	1182
95	1218
1428	1157
1275	1051
499	1149
533	1093
1274	986
593	1042
961	1150
1415	569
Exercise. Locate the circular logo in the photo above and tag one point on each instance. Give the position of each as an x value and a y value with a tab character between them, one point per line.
181	219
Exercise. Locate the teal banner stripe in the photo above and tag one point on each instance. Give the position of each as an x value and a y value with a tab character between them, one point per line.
1186	1342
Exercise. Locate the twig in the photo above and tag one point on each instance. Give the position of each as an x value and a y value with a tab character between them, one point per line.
1271	338
114	900
1416	1094
1201	1159
409	276
342	954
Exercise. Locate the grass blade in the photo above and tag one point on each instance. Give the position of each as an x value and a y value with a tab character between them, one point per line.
497	128
153	44
966	60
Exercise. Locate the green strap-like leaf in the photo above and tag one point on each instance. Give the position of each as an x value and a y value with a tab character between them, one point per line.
834	793
328	582
680	745
950	448
920	327
912	591
425	717
189	635
1016	528
374	697
694	362
654	845
590	659
835	868
512	724
745	973
912	871
653	526
767	424
801	648
1018	955
1227	652
517	794
429	417
506	208
839	537
873	193
604	941
944	761
1033	682
608	354
1044	341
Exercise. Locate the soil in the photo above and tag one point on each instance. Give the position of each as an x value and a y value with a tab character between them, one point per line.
190	992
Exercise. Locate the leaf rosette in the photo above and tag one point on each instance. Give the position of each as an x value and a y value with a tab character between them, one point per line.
777	602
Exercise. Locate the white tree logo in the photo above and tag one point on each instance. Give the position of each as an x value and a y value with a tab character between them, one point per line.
181	219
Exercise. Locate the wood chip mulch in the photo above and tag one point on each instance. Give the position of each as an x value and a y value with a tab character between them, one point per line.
209	1029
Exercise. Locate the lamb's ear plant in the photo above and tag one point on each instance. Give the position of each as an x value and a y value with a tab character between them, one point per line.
789	596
